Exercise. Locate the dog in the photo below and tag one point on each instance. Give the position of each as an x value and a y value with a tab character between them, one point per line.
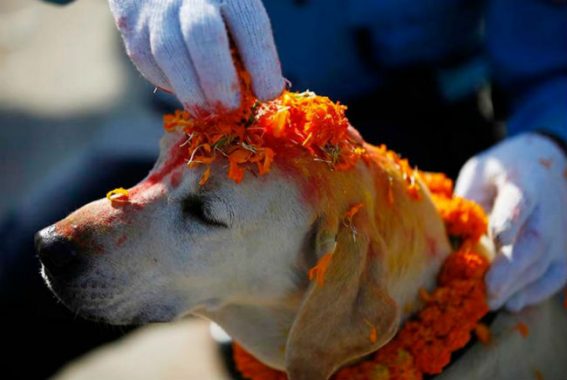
240	254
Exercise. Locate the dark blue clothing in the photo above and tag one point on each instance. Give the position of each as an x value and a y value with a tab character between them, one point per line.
519	45
526	42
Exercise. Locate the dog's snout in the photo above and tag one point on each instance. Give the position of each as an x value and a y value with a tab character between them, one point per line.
55	251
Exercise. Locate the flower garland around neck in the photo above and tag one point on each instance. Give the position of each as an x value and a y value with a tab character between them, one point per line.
450	313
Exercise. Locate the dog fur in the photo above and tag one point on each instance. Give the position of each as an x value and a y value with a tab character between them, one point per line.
238	254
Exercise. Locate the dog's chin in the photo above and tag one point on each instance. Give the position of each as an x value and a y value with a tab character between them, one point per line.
117	316
107	306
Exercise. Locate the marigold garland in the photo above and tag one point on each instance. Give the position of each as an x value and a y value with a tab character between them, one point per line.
424	344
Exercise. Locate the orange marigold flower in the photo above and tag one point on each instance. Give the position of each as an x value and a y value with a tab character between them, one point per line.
463	218
438	183
463	265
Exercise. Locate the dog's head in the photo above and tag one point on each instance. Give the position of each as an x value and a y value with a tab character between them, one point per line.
176	246
240	254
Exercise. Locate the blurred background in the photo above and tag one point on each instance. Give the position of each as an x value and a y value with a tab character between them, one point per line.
64	78
76	119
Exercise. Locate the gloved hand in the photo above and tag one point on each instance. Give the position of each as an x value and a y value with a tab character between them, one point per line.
522	184
182	46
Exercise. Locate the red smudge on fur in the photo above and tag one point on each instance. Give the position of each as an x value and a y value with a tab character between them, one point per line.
66	230
177	157
431	246
121	240
176	178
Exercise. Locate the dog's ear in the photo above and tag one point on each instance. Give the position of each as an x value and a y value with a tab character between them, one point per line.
346	312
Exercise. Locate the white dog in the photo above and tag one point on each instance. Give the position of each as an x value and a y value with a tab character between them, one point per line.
239	254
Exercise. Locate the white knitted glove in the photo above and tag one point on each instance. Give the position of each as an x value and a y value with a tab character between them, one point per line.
182	46
522	184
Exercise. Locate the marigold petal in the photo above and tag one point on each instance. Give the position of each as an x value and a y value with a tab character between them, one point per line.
522	328
239	156
205	176
235	172
353	210
483	333
318	272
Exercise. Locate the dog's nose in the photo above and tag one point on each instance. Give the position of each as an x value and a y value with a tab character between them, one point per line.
55	251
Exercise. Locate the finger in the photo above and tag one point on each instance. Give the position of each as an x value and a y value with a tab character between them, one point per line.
206	39
533	273
472	184
172	56
139	51
250	27
513	260
511	210
552	281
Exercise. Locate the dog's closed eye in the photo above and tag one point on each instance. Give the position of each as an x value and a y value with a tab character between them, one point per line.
199	208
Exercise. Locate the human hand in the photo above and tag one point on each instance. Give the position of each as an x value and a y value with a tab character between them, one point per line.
522	184
182	46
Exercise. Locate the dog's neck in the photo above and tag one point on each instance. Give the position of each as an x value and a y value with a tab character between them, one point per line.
261	329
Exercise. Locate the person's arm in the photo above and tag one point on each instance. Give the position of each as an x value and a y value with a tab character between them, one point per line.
522	182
